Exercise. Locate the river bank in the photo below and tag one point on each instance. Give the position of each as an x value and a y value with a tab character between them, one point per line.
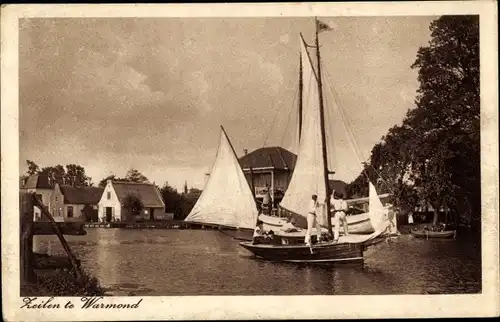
62	282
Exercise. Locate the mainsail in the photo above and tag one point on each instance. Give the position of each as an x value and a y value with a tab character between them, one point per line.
308	175
226	199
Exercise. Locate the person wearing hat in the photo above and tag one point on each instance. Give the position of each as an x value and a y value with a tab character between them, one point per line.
312	220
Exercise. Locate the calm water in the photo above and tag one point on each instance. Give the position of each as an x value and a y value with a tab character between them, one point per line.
206	262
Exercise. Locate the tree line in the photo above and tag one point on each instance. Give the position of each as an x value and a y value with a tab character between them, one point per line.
433	157
178	203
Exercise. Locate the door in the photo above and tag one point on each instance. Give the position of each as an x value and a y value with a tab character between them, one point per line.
108	214
151	214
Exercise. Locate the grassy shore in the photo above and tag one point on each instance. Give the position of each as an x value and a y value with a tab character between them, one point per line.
62	282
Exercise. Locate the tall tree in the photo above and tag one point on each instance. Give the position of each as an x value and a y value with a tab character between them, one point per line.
434	156
75	176
133	175
447	115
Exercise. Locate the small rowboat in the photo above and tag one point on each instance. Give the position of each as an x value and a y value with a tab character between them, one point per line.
421	233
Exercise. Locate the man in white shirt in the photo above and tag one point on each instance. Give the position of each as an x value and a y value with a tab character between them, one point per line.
312	220
339	208
266	202
259	235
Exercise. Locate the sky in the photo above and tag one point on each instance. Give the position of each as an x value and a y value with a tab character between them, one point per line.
112	94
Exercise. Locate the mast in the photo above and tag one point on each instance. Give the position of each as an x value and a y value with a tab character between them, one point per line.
301	85
323	134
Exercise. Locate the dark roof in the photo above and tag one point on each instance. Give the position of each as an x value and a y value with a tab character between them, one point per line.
81	195
147	192
276	157
39	181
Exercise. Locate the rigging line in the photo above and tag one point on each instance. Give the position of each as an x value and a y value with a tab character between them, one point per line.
272	123
350	135
289	116
347	126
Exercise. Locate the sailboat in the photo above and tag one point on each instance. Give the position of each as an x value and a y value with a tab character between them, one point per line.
376	208
358	223
311	176
226	202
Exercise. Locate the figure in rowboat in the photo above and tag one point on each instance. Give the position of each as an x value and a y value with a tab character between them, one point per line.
260	236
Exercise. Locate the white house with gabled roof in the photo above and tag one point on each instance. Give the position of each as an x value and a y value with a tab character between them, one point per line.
112	199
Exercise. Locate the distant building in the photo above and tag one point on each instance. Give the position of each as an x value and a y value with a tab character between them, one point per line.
69	203
42	186
274	166
270	166
113	197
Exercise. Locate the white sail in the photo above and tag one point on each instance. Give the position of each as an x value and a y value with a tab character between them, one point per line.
308	175
226	199
378	213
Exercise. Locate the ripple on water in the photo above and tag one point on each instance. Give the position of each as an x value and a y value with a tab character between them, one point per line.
184	262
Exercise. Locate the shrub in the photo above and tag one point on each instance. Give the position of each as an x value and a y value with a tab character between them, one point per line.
62	282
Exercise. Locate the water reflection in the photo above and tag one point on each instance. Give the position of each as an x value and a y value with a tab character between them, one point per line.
199	262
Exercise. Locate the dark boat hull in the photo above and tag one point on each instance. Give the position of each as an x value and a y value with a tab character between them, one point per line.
434	234
321	253
243	234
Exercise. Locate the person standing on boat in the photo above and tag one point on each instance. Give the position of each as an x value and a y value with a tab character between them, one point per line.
339	208
312	220
266	202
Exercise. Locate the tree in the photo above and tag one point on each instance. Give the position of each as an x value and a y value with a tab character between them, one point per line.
55	173
434	155
104	181
174	202
33	168
447	115
133	204
75	176
133	175
72	174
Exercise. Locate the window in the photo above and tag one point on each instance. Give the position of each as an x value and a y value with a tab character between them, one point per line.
70	211
109	195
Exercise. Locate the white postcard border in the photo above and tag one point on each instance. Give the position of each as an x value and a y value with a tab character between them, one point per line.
257	307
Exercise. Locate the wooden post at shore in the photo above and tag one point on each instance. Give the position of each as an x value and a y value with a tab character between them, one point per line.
72	258
26	237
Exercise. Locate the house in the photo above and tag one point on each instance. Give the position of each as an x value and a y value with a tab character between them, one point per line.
112	202
69	203
269	166
42	186
273	167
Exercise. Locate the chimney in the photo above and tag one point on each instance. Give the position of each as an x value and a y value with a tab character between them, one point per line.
245	151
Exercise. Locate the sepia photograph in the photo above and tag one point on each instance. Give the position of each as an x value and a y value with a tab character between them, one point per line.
283	155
